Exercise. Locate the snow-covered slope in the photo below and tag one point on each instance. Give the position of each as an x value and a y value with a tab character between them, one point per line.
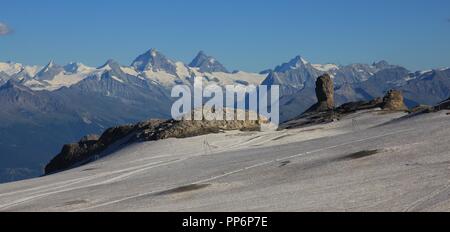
361	163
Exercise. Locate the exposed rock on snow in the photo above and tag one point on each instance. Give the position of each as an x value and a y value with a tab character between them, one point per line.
324	93
322	113
394	101
91	148
443	105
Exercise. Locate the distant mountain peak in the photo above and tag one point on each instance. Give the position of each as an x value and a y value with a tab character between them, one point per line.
113	67
295	63
49	71
153	52
109	64
50	64
155	61
207	63
382	64
199	58
300	59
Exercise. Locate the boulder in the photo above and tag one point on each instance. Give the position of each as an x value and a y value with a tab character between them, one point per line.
393	101
324	93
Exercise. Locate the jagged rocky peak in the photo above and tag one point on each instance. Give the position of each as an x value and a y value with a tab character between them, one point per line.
382	65
49	71
295	63
153	60
110	64
207	63
50	64
112	67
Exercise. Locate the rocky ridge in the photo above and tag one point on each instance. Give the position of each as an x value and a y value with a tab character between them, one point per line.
91	148
324	110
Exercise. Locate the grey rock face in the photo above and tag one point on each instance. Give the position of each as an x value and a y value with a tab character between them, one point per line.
325	91
324	94
207	63
114	68
391	102
49	72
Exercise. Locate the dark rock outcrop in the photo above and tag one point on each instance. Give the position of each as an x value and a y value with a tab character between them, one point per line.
391	102
324	93
422	109
91	148
445	105
352	107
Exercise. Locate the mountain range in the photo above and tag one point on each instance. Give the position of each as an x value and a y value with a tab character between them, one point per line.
45	107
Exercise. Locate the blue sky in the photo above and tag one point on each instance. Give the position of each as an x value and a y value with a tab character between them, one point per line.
246	35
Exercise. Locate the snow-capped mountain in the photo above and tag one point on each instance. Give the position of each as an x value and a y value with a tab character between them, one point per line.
207	64
154	61
298	74
152	66
354	82
427	87
53	76
10	70
293	76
